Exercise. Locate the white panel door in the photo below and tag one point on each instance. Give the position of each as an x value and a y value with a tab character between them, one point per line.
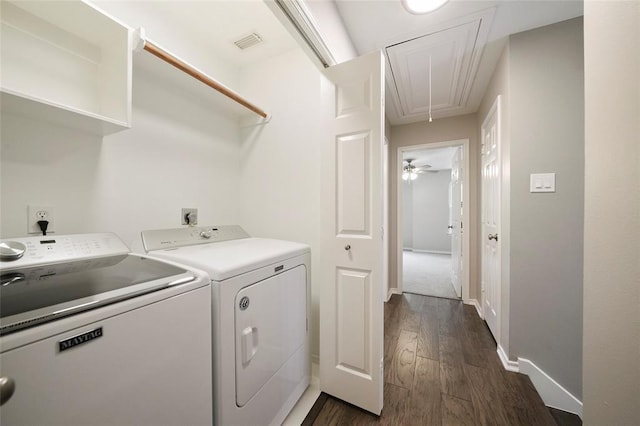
385	218
351	304
456	222
491	174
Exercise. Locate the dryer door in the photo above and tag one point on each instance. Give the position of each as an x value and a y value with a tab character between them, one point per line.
271	325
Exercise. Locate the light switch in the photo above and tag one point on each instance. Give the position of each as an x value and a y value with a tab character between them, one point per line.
542	182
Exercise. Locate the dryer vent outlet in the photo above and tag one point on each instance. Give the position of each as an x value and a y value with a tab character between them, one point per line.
189	216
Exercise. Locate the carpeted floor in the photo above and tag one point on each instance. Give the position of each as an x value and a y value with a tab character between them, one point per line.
428	274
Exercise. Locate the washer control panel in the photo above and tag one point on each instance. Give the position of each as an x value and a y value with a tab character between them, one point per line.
163	239
29	251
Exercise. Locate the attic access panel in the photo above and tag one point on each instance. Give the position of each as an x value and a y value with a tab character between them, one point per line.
454	52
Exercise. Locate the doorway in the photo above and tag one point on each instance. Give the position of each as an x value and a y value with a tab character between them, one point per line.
432	212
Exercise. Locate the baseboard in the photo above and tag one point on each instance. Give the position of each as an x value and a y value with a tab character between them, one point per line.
428	251
476	304
506	362
391	292
552	393
315	370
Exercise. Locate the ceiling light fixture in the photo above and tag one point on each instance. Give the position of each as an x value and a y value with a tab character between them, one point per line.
409	176
422	6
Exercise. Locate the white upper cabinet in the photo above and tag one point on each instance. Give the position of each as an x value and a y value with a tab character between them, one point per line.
66	62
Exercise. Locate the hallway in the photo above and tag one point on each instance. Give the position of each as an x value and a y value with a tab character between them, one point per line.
441	368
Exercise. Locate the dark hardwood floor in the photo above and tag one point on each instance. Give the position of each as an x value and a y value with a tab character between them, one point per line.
441	368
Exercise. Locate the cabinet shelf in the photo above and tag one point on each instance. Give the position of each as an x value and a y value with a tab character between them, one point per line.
66	62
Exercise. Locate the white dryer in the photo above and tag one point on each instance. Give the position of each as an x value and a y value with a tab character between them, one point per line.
261	343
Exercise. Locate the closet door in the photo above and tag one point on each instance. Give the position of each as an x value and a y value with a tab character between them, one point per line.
351	314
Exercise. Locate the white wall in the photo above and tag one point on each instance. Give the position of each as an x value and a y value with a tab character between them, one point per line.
280	167
334	33
269	178
611	351
182	151
160	27
178	154
427	202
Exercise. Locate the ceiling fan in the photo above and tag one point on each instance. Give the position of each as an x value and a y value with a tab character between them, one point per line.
410	171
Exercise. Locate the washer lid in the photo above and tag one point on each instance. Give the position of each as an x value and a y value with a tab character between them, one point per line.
227	259
38	294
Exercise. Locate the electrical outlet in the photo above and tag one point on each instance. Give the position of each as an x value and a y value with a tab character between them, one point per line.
189	216
36	213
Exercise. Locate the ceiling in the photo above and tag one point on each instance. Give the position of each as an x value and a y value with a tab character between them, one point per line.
462	40
215	24
437	158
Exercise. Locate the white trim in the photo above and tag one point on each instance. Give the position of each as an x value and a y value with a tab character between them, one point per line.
315	359
306	26
430	251
506	362
391	292
552	393
476	304
465	207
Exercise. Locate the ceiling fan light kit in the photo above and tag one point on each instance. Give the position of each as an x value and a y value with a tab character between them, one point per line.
410	171
418	7
409	176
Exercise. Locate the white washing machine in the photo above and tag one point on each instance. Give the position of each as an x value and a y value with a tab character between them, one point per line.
91	334
261	300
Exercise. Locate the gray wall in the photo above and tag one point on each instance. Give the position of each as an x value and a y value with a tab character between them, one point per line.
407	215
612	221
545	133
430	212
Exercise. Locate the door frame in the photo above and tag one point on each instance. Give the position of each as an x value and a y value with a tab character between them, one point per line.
464	143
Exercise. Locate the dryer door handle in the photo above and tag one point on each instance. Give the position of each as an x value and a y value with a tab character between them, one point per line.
249	344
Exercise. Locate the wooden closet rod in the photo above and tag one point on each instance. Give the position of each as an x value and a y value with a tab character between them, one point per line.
167	57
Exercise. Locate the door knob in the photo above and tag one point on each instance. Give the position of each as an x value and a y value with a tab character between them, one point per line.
7	387
347	247
493	237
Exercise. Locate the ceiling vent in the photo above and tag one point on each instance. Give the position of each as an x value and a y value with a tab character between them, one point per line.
248	41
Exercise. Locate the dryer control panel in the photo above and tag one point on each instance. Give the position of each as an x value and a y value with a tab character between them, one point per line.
163	239
29	251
